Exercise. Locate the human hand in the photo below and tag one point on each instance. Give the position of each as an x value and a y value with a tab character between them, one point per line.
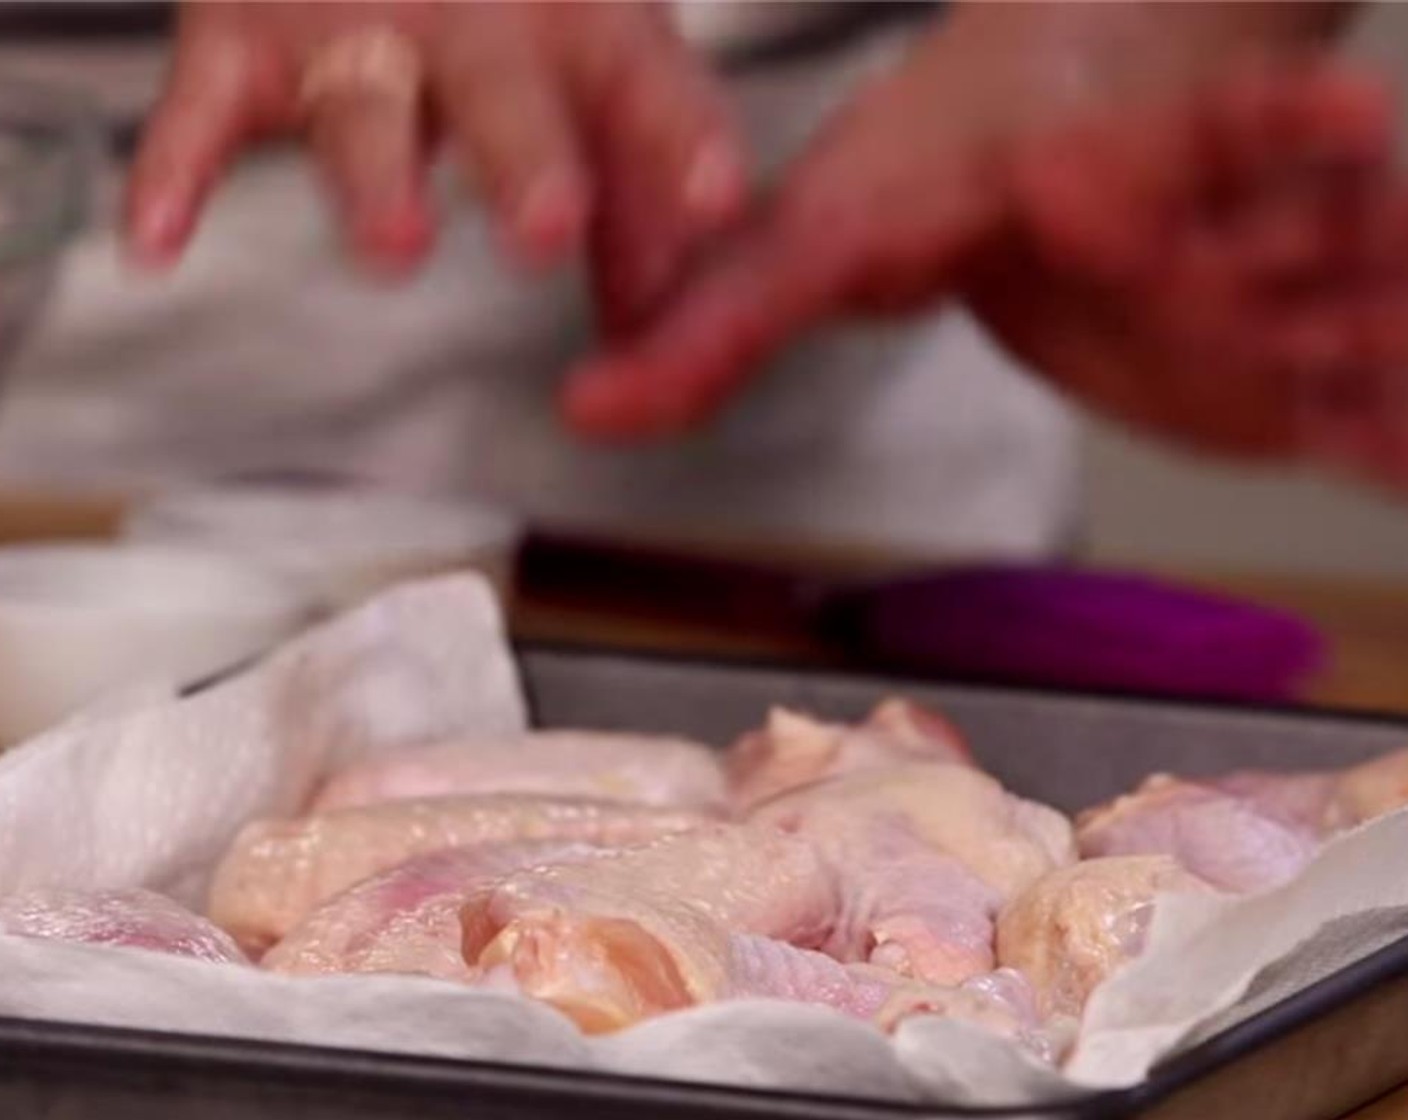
1188	264
880	212
551	111
1228	272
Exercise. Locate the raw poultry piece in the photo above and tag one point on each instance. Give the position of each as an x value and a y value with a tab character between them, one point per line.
1297	801
137	919
612	941
793	749
408	919
914	910
764	968
278	871
1368	791
652	770
1012	994
1077	925
1228	838
1324	802
926	855
1247	831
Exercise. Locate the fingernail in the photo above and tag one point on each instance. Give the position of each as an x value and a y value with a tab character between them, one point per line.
393	239
154	236
714	185
550	215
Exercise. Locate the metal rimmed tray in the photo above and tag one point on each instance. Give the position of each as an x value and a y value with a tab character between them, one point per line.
1312	1056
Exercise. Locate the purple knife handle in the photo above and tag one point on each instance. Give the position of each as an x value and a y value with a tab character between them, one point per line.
1078	629
1038	626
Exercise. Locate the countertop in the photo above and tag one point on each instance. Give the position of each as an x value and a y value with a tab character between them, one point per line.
1365	622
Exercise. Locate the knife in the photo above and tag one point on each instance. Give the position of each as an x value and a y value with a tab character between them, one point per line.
1028	624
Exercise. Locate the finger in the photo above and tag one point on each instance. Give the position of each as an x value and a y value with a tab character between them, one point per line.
1203	292
1379	331
1101	198
647	89
219	95
1267	122
1347	124
1309	237
1075	336
1289	236
513	135
902	214
1253	355
1343	352
672	174
733	315
1245	132
637	246
1296	194
1296	156
369	148
1356	280
666	112
861	220
1392	450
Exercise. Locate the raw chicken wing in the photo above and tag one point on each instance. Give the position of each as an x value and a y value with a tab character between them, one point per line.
1076	926
652	770
408	919
1370	790
615	940
137	919
278	871
1300	802
926	854
914	910
763	968
1254	833
794	750
1247	831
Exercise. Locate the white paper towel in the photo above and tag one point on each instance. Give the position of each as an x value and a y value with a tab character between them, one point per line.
1207	953
149	792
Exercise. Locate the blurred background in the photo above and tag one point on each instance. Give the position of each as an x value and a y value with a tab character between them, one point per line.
143	405
1141	504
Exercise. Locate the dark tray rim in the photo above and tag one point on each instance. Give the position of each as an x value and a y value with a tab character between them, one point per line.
145	1053
141	1054
900	679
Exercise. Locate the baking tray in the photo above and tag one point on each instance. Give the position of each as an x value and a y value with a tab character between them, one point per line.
1326	1050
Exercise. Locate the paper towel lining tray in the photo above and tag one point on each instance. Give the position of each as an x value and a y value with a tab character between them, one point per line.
1323	1051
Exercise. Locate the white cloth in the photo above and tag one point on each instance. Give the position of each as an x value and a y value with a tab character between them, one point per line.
264	352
